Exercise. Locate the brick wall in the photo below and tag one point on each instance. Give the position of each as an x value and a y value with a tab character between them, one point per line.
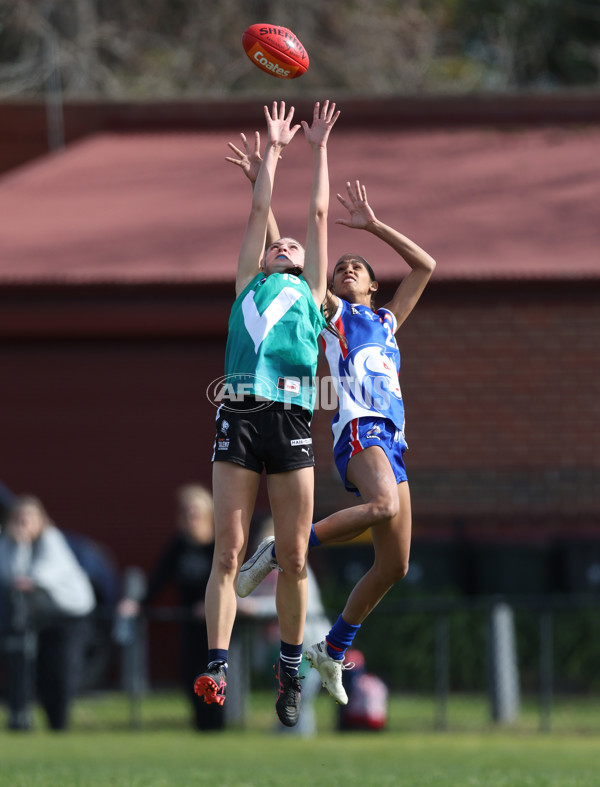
502	395
502	391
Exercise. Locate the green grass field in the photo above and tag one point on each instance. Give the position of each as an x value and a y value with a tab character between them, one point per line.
102	749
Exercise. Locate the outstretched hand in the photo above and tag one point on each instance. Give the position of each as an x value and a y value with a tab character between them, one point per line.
323	119
248	160
357	205
281	132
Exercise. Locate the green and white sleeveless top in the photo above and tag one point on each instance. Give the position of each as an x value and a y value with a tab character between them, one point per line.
272	345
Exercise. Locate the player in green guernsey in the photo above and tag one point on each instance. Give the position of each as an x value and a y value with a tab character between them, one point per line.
271	344
270	365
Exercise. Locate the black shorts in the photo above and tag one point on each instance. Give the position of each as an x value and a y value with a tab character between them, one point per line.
276	437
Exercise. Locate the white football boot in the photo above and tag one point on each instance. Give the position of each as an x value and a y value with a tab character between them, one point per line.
330	670
256	568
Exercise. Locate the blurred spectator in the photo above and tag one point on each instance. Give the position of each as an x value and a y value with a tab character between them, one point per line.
98	563
186	561
102	571
45	602
261	604
367	697
7	499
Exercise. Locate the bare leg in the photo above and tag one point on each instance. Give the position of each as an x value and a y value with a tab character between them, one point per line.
234	492
291	497
369	471
391	541
386	510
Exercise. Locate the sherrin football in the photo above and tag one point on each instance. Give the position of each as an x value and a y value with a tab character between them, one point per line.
275	50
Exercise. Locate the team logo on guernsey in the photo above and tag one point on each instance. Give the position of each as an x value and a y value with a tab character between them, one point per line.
370	377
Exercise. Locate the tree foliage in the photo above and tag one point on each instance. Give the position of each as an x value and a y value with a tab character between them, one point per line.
156	49
532	43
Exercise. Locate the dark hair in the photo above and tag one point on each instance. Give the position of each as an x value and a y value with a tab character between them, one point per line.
362	261
356	258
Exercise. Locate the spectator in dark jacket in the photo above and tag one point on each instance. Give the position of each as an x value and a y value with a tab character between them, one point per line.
186	561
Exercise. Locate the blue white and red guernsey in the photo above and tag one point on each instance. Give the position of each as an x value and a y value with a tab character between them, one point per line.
364	361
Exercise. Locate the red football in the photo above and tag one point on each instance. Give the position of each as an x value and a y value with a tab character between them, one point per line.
275	50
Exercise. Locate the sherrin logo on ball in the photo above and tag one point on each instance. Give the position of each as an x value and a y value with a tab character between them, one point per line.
275	50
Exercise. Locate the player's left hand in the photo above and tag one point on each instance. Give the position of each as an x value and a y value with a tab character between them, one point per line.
279	124
323	121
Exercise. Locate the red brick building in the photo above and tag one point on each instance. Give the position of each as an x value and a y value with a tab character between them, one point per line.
117	259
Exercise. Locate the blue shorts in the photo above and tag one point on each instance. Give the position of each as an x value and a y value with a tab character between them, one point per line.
364	433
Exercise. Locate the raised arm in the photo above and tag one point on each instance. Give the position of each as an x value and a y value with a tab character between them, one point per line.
248	161
315	264
280	133
421	264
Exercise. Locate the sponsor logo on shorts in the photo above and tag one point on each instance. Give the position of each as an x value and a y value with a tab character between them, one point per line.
373	433
302	441
222	445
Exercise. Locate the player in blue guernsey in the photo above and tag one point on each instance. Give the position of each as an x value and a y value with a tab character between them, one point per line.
271	356
368	431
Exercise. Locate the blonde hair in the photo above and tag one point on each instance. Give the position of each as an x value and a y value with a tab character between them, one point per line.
29	500
195	493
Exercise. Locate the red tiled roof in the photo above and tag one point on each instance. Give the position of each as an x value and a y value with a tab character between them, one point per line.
154	208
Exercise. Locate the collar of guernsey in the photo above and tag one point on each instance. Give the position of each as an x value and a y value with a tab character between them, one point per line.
272	343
